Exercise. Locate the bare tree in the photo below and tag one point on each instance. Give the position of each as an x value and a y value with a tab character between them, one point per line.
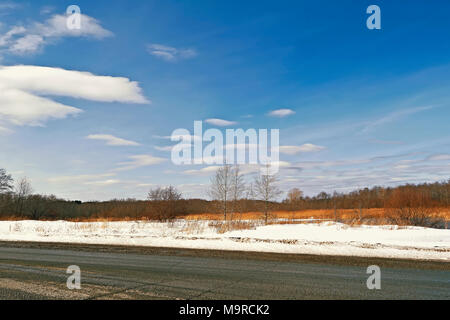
294	198
295	195
165	202
5	181
37	206
266	189
250	193
222	187
335	205
237	187
23	191
169	193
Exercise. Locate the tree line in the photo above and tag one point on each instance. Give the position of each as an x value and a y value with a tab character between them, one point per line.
230	194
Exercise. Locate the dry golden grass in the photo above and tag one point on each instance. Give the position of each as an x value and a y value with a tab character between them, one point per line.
342	214
110	219
304	214
226	226
11	219
375	215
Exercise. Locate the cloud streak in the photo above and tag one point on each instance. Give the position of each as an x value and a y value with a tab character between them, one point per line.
281	113
307	147
83	178
138	161
112	140
391	117
170	54
220	122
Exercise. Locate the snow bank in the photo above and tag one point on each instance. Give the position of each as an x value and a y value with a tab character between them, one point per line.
325	238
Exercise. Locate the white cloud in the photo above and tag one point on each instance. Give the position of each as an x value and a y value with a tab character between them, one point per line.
145	185
138	161
169	148
103	182
245	168
203	171
86	179
170	54
28	40
112	140
5	39
220	122
76	84
186	137
4	130
439	157
21	108
281	113
307	147
21	87
281	164
326	164
28	43
166	148
56	26
83	178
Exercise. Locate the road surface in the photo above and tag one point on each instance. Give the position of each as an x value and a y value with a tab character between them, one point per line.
38	271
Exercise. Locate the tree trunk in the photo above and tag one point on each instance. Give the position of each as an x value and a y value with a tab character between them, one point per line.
225	210
266	211
360	211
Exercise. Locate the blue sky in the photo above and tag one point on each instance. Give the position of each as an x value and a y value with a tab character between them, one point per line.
369	107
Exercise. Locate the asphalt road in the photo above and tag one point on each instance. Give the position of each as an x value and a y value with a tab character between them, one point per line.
38	271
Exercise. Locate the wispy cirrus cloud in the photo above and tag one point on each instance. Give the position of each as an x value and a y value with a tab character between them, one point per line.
203	171
47	10
170	54
169	148
107	182
82	178
4	130
393	116
439	157
112	140
187	137
7	6
307	147
138	161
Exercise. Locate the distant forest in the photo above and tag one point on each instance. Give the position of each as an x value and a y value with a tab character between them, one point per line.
17	201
